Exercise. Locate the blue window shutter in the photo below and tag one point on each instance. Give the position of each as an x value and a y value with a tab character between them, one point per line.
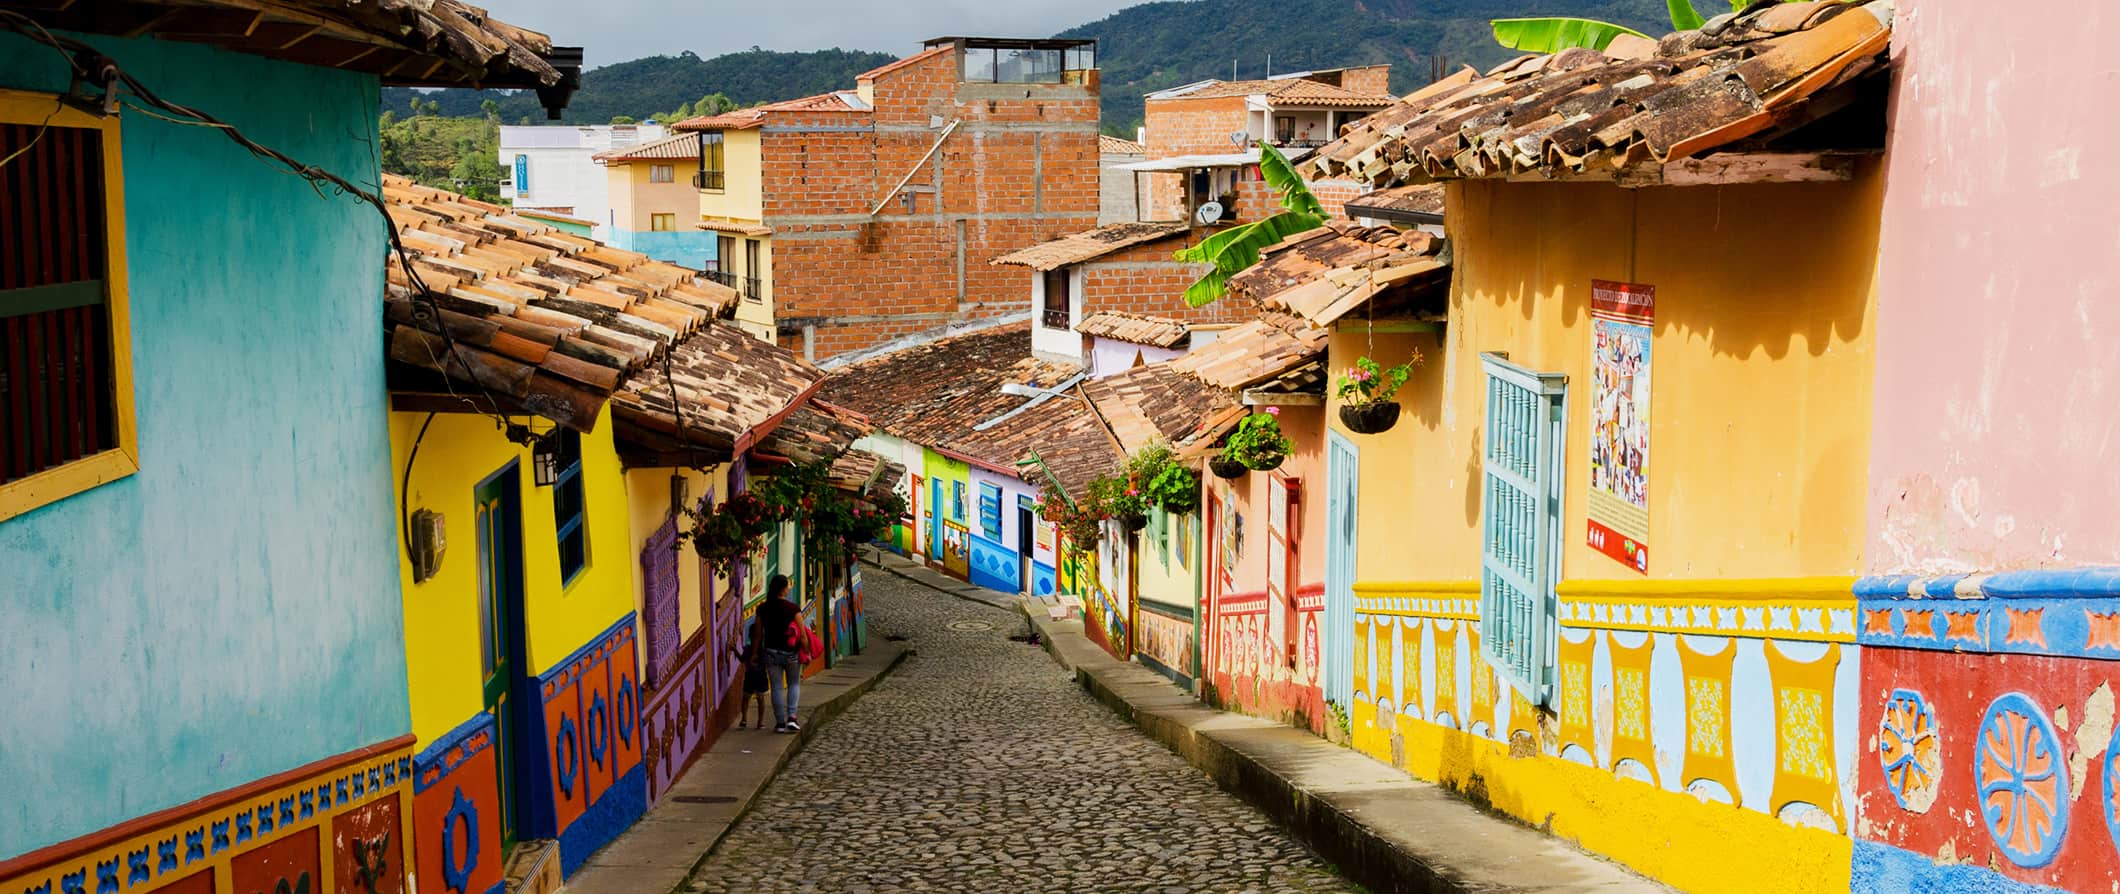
1343	476
1520	522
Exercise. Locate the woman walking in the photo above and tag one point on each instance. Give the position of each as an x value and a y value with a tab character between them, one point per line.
781	644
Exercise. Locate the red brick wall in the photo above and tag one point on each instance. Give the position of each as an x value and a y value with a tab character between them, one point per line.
1145	280
1017	171
1367	79
1192	126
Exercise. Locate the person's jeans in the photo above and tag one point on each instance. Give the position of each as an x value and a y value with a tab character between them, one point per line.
784	678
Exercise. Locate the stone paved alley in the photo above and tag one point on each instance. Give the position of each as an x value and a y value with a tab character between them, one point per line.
980	766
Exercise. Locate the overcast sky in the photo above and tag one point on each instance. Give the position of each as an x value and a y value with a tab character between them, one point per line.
618	30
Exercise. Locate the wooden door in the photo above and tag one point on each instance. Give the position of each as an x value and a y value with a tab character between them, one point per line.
501	648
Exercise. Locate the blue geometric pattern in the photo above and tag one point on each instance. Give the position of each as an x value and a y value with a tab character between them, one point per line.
993	566
599	735
2023	789
626	711
566	754
454	876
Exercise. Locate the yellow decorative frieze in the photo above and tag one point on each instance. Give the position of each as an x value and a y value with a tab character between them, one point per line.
1808	609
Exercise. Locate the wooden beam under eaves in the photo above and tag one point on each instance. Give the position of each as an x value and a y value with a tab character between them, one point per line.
1388	326
1259	398
1719	169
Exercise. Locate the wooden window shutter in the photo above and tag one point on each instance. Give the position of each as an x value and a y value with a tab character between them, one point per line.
1520	523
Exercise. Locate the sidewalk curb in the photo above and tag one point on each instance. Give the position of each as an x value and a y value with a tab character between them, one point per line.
1376	826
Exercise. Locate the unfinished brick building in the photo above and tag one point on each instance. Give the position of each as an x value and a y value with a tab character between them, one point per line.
854	217
1202	138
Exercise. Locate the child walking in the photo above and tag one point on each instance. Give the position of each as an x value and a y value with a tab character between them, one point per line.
754	678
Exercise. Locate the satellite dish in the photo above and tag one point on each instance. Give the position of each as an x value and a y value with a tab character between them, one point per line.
1209	212
1239	137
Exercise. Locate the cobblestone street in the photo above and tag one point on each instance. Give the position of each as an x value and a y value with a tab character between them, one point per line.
979	766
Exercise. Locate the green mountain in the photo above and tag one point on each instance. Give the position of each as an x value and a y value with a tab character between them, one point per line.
1156	46
1141	49
644	87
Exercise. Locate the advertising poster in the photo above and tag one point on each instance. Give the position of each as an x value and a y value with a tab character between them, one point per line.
1622	316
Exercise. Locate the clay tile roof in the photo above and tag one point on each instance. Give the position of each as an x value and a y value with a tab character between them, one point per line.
836	101
1062	431
1399	202
816	431
1156	332
901	392
1322	274
730	384
682	146
1087	245
741	119
1157	402
1254	352
431	43
1285	91
543	318
863	472
1111	145
1689	94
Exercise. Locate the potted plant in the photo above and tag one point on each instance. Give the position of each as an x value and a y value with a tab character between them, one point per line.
1225	468
1366	392
1155	471
1117	498
1078	526
1258	443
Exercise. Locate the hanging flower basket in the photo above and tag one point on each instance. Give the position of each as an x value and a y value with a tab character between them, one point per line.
1258	442
1266	458
1133	523
1369	419
1225	468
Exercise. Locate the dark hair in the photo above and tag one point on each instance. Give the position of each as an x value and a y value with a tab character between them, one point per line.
777	586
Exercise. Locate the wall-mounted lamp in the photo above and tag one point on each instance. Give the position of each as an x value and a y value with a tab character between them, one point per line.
544	459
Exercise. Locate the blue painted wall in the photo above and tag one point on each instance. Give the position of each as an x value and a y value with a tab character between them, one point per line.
231	611
685	249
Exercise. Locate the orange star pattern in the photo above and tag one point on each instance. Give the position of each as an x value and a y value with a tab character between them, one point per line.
2104	630
1877	620
1962	625
1921	623
2024	626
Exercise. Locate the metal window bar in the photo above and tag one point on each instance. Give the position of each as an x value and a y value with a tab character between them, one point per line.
1520	522
56	398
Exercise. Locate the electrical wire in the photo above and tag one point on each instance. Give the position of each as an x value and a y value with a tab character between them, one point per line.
318	178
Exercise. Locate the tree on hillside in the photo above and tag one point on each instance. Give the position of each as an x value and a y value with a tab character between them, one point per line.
478	175
491	110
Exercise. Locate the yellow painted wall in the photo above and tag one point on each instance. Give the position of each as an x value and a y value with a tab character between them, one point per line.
648	498
741	196
442	613
1692	844
1762	373
635	198
756	317
1165	575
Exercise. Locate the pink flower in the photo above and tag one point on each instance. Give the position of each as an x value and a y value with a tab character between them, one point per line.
1273	411
1132	493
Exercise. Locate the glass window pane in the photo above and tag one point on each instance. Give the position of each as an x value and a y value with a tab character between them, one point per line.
979	64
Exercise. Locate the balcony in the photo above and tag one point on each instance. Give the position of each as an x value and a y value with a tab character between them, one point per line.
708	180
723	277
1056	317
753	289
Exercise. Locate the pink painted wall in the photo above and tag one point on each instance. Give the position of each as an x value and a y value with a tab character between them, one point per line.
1998	382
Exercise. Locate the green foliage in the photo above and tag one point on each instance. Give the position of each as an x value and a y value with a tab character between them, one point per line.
1238	247
1160	45
1552	35
1117	497
1366	383
622	119
642	87
457	154
1154	471
1257	442
1079	524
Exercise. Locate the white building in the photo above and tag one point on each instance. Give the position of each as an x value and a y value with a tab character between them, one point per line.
550	168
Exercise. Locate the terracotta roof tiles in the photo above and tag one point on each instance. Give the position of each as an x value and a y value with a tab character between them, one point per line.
1089	245
1580	111
1139	329
1321	275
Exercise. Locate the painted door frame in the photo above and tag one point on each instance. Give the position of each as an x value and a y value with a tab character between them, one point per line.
1210	613
1343	477
505	688
935	519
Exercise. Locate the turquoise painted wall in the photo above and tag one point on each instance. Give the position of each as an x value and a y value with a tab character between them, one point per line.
230	611
685	249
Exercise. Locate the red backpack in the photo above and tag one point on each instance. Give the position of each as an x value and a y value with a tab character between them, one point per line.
807	645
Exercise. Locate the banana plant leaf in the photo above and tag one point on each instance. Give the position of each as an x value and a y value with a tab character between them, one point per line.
1685	18
1238	247
1280	173
1557	33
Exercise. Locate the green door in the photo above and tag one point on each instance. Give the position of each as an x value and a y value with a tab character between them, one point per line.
500	584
